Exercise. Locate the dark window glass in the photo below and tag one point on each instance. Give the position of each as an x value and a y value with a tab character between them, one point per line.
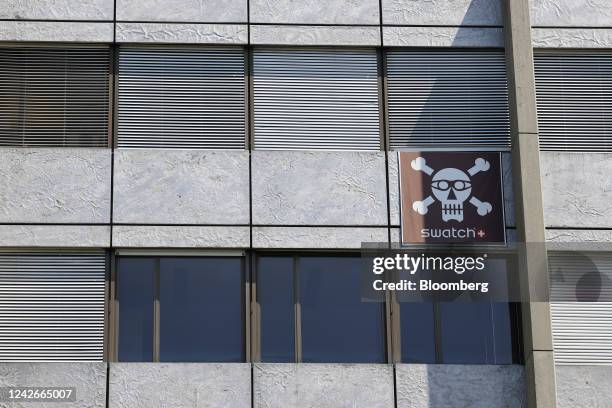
475	333
276	302
136	295
336	325
417	332
201	307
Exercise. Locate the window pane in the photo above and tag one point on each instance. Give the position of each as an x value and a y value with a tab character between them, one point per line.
136	295
275	298
201	307
417	331
336	325
476	333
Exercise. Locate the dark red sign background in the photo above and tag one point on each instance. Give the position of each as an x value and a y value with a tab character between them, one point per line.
486	186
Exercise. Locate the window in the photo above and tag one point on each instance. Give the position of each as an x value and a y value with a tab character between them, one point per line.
190	98
52	306
447	98
181	309
574	95
311	311
54	97
316	99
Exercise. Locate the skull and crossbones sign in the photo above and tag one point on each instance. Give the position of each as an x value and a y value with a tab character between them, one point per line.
451	187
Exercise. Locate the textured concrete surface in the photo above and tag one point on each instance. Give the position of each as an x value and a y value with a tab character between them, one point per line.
316	237
442	12
314	35
181	187
55	31
508	190
55	185
454	386
442	37
179	385
88	378
80	236
394	197
318	188
182	33
188	11
314	11
571	13
129	236
57	9
577	189
584	386
572	37
323	386
588	236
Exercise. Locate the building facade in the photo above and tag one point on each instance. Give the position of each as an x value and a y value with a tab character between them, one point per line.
186	187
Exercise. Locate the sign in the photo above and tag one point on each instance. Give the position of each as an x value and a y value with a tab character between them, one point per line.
451	197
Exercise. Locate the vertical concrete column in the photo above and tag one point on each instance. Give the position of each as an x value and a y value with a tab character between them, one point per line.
533	273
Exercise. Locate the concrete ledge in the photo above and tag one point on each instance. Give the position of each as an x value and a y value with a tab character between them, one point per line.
314	11
323	385
45	31
55	185
315	35
57	9
450	386
183	11
156	186
443	12
146	385
577	189
129	236
88	378
442	37
568	235
73	236
318	188
571	13
182	33
316	237
583	386
571	37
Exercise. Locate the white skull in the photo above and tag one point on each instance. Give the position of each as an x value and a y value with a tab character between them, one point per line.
452	187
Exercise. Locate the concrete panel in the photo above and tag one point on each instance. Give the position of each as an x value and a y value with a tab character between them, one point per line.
179	11
315	35
587	236
55	185
323	385
319	188
179	385
88	378
182	33
442	12
571	37
73	236
450	386
583	386
577	189
508	190
181	187
316	237
44	31
129	236
394	196
442	37
315	11
57	9
571	13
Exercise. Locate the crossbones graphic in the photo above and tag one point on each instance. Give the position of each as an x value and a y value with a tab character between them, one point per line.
451	187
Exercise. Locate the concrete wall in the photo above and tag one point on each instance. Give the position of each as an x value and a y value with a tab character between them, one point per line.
89	379
583	386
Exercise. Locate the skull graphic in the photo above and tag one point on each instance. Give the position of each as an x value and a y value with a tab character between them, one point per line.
451	187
